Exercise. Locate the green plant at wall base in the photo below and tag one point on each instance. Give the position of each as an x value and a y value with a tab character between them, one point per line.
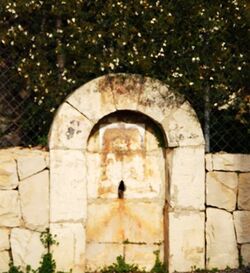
48	239
120	267
159	267
47	263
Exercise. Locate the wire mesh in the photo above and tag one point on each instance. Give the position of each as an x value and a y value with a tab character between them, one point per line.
19	125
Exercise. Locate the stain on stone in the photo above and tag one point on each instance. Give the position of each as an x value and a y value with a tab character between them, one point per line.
70	133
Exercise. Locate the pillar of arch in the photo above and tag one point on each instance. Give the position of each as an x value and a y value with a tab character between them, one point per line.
183	153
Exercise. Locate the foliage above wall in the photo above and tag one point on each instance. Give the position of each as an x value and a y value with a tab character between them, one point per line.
193	46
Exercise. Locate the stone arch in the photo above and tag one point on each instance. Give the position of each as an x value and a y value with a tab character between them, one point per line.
68	141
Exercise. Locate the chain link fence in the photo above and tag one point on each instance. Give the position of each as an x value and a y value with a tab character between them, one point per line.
20	125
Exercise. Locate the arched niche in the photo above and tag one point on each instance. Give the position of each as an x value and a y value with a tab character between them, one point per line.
74	203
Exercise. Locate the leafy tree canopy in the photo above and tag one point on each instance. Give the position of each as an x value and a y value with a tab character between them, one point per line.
192	45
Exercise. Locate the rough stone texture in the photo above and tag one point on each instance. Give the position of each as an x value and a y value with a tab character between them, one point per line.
70	129
26	247
70	252
121	154
222	189
151	102
67	186
244	191
126	90
231	162
8	175
242	224
143	178
9	209
182	127
94	99
34	196
4	239
187	244
209	162
100	255
30	165
187	177
221	242
120	220
141	255
245	253
4	261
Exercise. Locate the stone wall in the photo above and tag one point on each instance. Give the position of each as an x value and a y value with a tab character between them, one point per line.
24	205
24	211
227	210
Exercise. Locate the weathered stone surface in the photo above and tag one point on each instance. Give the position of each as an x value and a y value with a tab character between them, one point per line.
222	189
70	252
4	239
70	129
209	162
122	154
187	243
4	261
245	253
187	177
157	101
29	165
244	191
8	175
242	224
221	242
231	162
9	209
141	255
100	255
182	127
94	99
26	247
120	220
68	186
126	90
34	196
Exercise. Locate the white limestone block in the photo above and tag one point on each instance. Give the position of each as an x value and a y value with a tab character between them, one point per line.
244	191
221	190
9	209
34	196
8	175
245	254
26	248
126	90
157	101
231	162
186	240
142	255
221	242
242	224
120	220
94	99
67	186
182	127
4	261
70	251
70	129
100	255
187	177
4	239
30	164
209	162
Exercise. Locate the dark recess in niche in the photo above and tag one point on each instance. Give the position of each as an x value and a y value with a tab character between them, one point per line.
121	189
128	116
